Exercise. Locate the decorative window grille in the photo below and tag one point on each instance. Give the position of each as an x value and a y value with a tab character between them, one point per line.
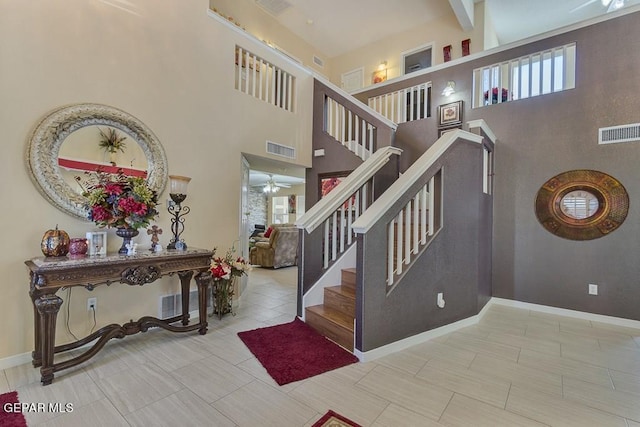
263	80
540	73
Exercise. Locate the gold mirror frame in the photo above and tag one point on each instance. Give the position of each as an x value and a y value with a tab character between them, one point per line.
613	204
50	133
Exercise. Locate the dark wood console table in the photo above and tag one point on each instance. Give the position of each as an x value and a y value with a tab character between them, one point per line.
48	275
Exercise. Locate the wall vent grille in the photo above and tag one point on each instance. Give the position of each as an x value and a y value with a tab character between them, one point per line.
274	7
281	150
616	134
318	61
171	305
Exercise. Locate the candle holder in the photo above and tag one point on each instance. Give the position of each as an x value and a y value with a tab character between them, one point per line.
178	193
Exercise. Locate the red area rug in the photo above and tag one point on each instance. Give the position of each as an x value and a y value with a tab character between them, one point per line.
331	419
295	351
8	415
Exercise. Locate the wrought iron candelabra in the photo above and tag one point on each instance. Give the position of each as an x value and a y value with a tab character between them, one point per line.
177	220
177	211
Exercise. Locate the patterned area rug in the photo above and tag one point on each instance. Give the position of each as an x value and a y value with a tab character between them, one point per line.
295	351
10	414
331	419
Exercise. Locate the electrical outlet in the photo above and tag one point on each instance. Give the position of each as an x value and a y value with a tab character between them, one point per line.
92	303
593	289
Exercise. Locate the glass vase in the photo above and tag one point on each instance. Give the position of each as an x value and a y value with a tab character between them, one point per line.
222	295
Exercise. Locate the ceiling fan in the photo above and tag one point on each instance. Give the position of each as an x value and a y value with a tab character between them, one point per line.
272	187
611	5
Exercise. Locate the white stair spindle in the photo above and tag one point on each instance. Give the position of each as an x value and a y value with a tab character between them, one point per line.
342	228
334	236
407	233
239	62
326	244
350	220
423	214
390	243
399	235
290	93
416	222
254	75
431	205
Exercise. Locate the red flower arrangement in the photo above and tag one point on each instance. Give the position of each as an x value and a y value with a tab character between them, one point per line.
494	96
118	200
229	266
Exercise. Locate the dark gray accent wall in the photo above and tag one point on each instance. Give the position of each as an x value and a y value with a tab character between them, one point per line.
336	159
450	263
546	135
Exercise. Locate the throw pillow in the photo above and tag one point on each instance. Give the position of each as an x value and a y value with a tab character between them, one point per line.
268	232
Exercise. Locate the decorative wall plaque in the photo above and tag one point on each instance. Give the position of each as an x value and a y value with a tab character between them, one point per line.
582	204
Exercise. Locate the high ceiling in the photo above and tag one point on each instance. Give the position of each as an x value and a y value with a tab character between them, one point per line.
335	27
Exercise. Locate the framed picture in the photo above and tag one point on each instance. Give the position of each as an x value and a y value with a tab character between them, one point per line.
97	241
450	114
445	130
329	181
292	203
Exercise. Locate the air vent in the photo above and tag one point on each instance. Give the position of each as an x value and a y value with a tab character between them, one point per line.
616	134
274	7
171	305
319	62
281	150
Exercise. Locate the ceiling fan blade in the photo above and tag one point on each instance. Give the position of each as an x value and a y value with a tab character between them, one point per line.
585	4
615	5
279	184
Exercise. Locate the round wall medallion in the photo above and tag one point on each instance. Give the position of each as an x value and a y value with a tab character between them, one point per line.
582	204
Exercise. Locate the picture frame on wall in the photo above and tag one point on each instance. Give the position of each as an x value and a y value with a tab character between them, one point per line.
450	114
445	130
97	242
328	181
292	203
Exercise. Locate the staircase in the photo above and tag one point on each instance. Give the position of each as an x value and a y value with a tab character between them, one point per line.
334	318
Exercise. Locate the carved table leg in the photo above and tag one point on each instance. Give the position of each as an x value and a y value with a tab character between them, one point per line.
48	307
185	282
203	280
36	354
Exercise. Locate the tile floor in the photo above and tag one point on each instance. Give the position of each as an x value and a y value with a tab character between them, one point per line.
515	368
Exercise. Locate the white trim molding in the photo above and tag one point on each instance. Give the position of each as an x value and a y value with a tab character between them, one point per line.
473	320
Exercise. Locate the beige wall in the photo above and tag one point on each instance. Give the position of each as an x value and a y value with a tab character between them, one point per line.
441	33
265	27
171	66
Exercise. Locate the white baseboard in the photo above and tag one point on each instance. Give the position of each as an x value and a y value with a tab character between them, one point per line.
452	327
17	360
611	320
419	338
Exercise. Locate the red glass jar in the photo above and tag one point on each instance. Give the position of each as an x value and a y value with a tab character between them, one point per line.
78	247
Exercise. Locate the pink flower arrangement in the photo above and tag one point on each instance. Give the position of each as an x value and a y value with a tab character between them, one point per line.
118	200
494	96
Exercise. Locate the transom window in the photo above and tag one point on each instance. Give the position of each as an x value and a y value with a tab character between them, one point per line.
540	73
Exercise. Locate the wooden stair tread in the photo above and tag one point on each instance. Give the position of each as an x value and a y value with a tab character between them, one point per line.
334	316
346	291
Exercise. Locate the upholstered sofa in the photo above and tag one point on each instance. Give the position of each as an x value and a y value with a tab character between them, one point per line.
280	249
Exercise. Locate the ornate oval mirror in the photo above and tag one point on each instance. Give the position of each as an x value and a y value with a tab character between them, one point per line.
83	128
582	204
